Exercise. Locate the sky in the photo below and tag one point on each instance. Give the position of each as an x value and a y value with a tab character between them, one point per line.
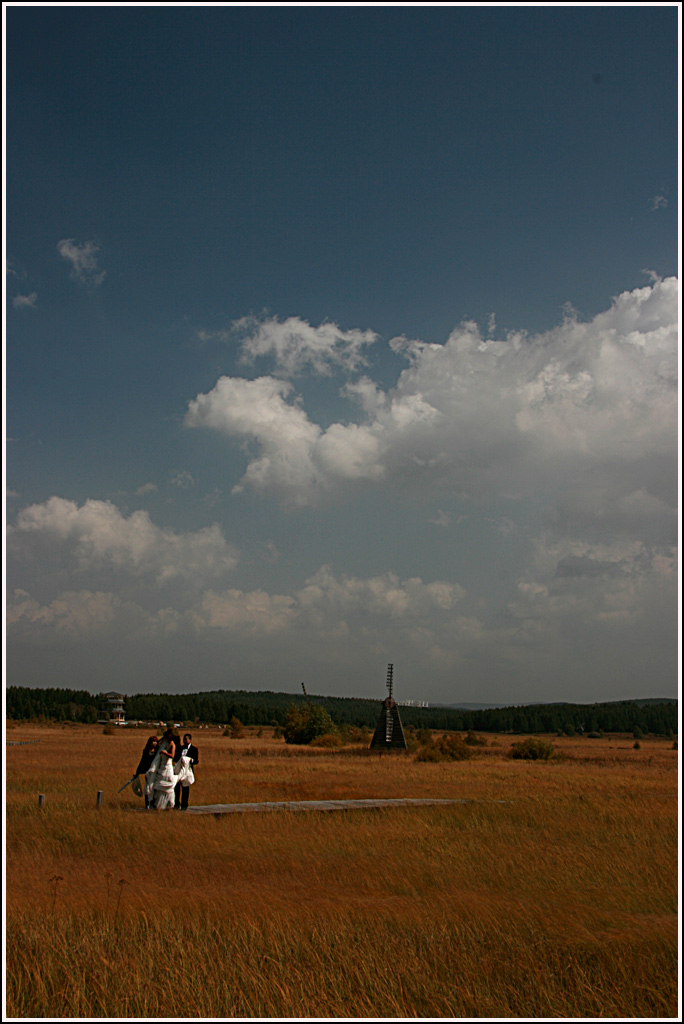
342	336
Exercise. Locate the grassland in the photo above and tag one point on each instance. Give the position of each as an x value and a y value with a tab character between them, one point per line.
552	894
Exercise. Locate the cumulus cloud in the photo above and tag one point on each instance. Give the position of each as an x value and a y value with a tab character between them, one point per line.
607	610
74	613
384	595
255	612
477	416
97	534
327	605
296	457
83	261
295	345
25	301
326	602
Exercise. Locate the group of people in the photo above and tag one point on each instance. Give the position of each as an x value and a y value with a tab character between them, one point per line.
167	765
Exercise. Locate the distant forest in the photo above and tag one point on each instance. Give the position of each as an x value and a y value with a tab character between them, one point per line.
659	717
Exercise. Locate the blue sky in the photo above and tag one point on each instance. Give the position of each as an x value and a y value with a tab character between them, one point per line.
341	336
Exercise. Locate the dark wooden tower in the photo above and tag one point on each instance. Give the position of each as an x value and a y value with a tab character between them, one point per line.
389	734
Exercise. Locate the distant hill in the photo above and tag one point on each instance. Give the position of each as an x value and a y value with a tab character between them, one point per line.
641	702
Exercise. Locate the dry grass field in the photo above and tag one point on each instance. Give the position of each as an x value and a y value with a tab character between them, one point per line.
552	894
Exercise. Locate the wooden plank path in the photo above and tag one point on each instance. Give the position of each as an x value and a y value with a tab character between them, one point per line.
321	805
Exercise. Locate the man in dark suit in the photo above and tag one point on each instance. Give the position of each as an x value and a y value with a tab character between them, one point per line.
189	750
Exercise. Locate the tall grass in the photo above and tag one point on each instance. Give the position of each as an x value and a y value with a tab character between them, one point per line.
352	965
552	894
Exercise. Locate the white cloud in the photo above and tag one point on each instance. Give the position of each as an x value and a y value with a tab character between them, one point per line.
83	261
658	202
442	519
295	345
325	602
523	416
576	590
148	488
256	612
25	301
12	271
385	595
98	535
76	613
182	478
296	458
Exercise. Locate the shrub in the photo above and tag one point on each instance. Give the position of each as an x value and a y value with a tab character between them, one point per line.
533	749
636	745
447	748
304	723
430	752
638	733
454	748
235	729
277	733
475	741
354	734
108	730
328	739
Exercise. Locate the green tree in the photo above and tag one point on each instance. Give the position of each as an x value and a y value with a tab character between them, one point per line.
305	722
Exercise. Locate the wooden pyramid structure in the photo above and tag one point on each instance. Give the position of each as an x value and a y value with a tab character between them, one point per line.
389	734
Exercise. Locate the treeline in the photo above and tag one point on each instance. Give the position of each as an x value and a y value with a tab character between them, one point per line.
27	704
267	707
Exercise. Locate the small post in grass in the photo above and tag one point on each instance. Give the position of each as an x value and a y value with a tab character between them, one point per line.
41	800
99	797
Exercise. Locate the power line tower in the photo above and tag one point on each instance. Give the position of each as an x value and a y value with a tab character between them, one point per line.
389	734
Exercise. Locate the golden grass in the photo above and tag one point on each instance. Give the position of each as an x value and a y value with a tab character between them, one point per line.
552	894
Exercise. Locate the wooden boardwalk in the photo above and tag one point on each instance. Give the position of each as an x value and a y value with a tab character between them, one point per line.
319	805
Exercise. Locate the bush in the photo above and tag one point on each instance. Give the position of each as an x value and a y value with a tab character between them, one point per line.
235	729
454	748
354	734
636	745
304	723
108	730
447	748
328	739
431	752
638	733
475	741
533	749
